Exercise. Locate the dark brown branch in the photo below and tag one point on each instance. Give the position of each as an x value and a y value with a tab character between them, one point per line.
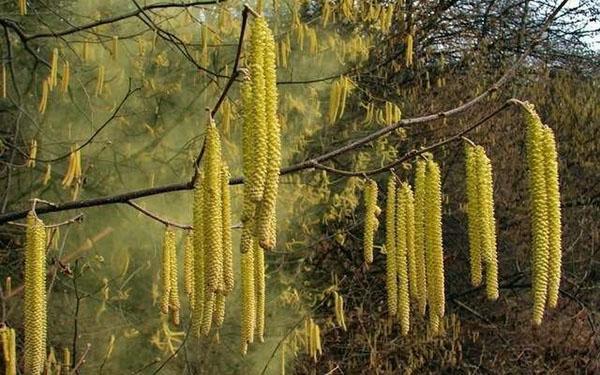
157	217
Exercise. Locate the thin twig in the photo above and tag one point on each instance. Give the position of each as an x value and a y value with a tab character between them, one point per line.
157	217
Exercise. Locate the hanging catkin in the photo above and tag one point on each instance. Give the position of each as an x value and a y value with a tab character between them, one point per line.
198	213
266	215
370	196
401	260
473	213
213	233
390	247
420	236
410	240
539	213
35	295
167	250
8	337
259	291
554	222
227	242
174	303
248	298
433	241
188	267
488	226
255	124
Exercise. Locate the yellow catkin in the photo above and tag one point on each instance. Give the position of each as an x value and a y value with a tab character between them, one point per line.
370	197
209	308
266	215
259	291
539	213
219	310
174	303
47	174
213	230
167	249
334	99
420	236
67	360
44	99
473	214
66	76
9	350
390	247
488	227
198	220
433	240
255	126
410	240
248	298
53	78
408	52
32	153
227	242
22	7
35	295
188	267
115	47
554	216
402	259
100	81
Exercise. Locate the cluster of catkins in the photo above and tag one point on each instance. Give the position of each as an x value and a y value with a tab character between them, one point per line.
9	349
545	214
415	263
261	165
482	224
208	258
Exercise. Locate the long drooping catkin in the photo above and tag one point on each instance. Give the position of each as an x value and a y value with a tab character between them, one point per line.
488	223
198	212
248	297
255	124
390	247
259	291
370	197
213	233
174	303
219	310
539	212
227	243
420	236
402	260
410	240
209	307
433	240
8	338
554	220
473	214
35	295
266	216
188	267
167	251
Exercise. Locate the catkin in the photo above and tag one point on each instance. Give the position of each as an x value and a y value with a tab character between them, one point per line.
539	213
198	220
8	337
53	79
213	233
255	124
219	310
554	219
44	99
35	295
370	196
402	261
390	247
209	308
66	75
421	292
167	250
410	240
433	240
100	81
408	52
488	227
259	290
248	298
188	267
227	242
266	216
174	303
473	213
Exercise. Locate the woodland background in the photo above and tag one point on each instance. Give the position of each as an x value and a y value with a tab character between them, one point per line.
145	130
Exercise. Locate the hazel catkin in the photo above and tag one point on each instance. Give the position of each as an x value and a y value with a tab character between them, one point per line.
419	211
390	247
473	214
402	260
35	295
371	223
